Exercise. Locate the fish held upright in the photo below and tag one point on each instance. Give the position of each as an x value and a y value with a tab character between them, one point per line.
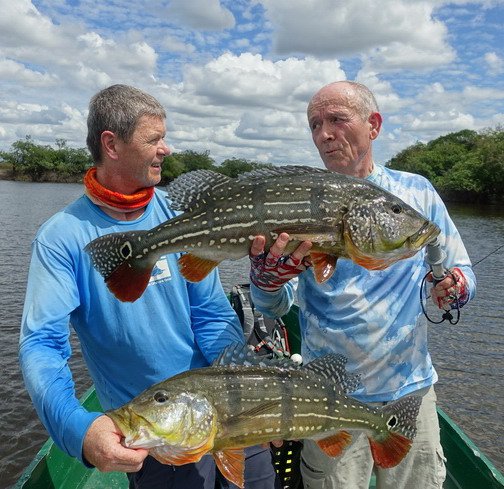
341	215
244	399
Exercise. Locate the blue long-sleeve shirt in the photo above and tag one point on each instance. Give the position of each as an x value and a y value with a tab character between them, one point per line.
174	326
374	318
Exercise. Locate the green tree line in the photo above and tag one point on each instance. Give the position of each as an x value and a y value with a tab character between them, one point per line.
30	161
465	165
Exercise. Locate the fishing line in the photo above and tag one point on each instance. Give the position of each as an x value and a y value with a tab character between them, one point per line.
447	315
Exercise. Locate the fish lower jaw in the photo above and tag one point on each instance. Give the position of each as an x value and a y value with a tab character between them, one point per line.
143	439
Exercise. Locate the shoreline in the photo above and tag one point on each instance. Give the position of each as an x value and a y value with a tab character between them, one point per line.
52	177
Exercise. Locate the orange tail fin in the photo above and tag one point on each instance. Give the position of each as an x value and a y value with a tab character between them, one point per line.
126	271
128	282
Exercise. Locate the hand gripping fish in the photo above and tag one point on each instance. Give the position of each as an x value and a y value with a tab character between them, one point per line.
244	400
343	216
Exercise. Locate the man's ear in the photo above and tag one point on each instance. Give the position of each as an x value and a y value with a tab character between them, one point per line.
108	143
375	122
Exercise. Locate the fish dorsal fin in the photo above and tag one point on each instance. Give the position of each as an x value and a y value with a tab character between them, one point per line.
187	190
280	171
231	463
243	355
332	367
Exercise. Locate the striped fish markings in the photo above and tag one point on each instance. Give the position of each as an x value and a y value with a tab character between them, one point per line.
343	216
244	400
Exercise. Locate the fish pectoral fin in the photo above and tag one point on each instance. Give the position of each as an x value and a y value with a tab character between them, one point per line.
194	268
323	265
335	444
247	420
231	463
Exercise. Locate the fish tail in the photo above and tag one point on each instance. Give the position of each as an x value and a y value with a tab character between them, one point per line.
389	448
126	273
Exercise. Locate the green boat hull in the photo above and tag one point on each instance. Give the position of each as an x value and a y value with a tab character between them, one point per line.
467	467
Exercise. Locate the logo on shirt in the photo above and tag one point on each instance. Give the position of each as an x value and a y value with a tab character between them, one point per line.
161	271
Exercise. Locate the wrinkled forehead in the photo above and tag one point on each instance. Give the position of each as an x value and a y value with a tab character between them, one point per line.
331	98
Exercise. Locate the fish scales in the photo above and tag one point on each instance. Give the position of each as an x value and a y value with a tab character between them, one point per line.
224	408
342	216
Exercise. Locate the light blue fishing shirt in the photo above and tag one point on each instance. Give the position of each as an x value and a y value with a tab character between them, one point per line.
374	318
174	326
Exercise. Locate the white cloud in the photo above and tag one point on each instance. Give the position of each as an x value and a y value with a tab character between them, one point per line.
495	63
200	14
388	30
250	80
12	71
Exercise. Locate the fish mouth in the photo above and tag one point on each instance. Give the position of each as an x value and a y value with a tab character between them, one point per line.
127	421
425	235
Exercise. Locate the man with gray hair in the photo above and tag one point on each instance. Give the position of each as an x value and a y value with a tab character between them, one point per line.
373	318
174	326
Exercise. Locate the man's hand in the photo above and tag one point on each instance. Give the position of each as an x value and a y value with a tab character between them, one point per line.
103	448
270	271
445	293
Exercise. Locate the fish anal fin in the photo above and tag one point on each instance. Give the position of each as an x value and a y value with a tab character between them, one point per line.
231	463
128	282
195	268
323	266
335	444
390	451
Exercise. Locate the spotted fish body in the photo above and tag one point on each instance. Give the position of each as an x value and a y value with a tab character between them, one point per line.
343	217
226	407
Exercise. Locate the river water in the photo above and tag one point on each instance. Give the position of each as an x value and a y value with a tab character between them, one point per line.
469	357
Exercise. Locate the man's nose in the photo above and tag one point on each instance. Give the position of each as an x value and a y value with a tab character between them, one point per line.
326	132
165	149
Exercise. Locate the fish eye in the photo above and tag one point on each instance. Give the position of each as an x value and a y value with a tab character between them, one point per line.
396	209
161	396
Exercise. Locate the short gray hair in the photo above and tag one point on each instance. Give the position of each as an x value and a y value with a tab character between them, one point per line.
118	109
360	98
365	101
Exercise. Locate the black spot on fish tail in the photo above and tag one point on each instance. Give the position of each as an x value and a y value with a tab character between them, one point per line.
401	415
125	273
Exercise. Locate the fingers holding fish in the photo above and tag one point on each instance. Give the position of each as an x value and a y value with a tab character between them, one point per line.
270	271
104	450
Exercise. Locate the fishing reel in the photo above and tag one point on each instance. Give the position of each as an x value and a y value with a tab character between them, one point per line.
435	257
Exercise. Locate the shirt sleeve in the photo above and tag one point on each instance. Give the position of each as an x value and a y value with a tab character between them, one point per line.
44	349
452	244
214	322
274	304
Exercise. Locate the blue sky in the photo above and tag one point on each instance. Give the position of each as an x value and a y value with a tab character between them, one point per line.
235	76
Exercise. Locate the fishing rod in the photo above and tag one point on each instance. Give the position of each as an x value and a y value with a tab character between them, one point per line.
435	257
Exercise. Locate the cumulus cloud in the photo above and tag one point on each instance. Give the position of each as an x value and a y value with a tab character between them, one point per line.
236	77
251	80
392	31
